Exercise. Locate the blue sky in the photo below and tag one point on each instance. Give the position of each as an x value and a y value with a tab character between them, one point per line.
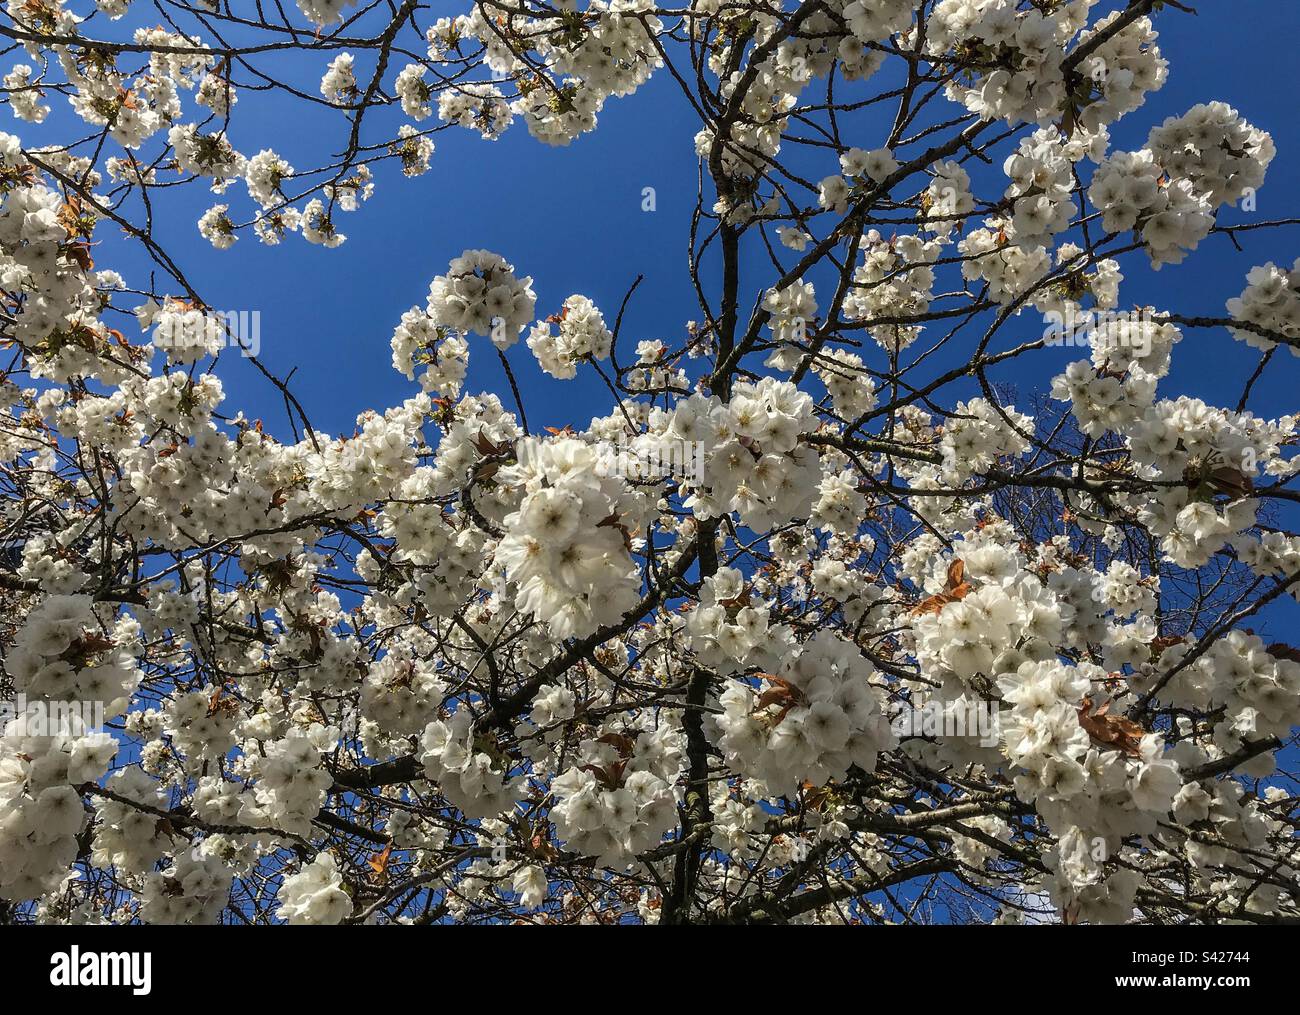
572	218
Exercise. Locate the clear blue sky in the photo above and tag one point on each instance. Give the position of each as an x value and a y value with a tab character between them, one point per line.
571	217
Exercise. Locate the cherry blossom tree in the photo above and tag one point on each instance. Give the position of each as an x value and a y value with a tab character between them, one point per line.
803	629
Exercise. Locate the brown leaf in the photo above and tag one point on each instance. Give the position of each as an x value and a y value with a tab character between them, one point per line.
1281	650
623	744
1111	730
936	603
87	645
80	252
485	445
219	702
1165	641
541	846
781	692
956	589
815	797
379	864
772	696
609	778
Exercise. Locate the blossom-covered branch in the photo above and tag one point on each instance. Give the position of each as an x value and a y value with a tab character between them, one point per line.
821	622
